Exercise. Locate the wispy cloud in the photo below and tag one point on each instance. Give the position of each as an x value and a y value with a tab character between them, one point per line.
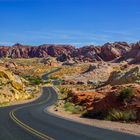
76	38
69	35
6	43
73	37
121	32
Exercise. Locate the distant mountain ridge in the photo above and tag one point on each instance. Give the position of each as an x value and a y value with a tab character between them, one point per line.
117	51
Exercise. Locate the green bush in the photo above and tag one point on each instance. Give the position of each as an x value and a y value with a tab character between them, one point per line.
64	90
63	93
126	93
117	115
34	80
74	109
37	81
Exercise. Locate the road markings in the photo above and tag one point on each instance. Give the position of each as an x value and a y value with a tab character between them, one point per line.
12	115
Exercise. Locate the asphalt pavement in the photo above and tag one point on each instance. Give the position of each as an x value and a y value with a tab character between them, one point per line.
31	122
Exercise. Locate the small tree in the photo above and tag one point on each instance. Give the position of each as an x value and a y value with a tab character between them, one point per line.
125	94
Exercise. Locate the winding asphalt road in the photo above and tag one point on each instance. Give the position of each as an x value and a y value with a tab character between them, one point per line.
32	122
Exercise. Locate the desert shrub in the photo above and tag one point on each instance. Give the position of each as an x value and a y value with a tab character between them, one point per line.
34	80
37	81
117	115
74	109
63	93
53	77
126	93
64	90
31	96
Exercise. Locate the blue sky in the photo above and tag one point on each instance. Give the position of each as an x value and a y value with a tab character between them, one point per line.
77	22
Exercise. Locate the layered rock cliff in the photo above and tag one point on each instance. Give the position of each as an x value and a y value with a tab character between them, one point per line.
117	52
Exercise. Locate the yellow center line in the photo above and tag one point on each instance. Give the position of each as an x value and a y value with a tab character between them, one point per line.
12	115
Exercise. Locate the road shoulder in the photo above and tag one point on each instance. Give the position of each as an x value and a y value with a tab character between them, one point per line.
116	126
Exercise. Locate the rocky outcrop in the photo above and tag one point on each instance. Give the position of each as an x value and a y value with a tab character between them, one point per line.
117	51
12	87
63	57
111	51
133	55
24	51
10	65
87	53
112	100
130	75
84	98
96	74
15	80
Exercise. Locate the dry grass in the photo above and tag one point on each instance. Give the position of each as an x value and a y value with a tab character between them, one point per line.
71	70
29	67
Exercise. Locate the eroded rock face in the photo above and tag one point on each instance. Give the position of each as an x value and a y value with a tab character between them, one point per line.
84	98
111	100
133	55
15	80
12	87
111	51
107	52
24	51
10	65
96	74
130	75
63	57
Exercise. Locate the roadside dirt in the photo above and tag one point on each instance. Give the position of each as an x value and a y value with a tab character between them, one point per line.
116	126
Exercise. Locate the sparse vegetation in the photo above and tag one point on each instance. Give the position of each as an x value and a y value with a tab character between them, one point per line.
29	67
34	80
125	94
53	77
74	109
70	70
30	72
63	93
117	115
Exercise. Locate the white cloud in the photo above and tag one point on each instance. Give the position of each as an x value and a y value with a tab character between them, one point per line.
121	32
6	43
73	37
66	35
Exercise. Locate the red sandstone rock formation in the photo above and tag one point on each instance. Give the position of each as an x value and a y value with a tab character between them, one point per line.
118	51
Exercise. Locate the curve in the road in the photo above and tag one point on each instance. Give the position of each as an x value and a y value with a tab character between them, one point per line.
29	122
12	115
60	128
